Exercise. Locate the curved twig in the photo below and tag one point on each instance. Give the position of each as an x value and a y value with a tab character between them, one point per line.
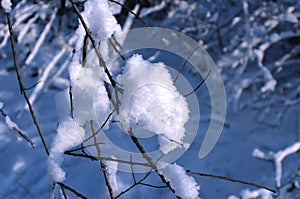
229	179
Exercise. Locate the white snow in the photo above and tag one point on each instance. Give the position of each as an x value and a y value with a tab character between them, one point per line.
260	193
55	172
288	16
151	101
1	105
69	135
185	186
99	19
11	124
255	194
6	5
75	65
112	168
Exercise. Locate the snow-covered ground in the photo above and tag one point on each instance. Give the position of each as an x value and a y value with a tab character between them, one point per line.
255	45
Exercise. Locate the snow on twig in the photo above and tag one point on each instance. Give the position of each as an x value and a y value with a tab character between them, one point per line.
277	159
15	127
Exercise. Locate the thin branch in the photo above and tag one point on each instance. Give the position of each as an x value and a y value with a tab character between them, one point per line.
71	101
149	160
22	87
184	64
26	190
229	179
101	127
103	166
131	167
85	48
219	35
115	48
133	185
139	18
153	186
34	85
64	192
107	159
72	190
199	85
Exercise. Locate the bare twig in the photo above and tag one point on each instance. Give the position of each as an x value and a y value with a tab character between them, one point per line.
134	184
101	127
64	192
85	48
103	166
115	48
131	167
184	64
149	160
229	179
22	87
220	40
139	18
72	190
26	190
199	85
106	159
71	101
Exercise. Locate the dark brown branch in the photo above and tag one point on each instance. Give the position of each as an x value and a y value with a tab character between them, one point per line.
101	127
229	179
71	101
115	48
34	85
63	192
149	160
132	171
107	159
22	87
72	190
199	85
153	186
85	48
103	166
134	184
184	64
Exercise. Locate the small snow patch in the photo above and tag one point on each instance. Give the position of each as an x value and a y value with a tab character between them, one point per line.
185	186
